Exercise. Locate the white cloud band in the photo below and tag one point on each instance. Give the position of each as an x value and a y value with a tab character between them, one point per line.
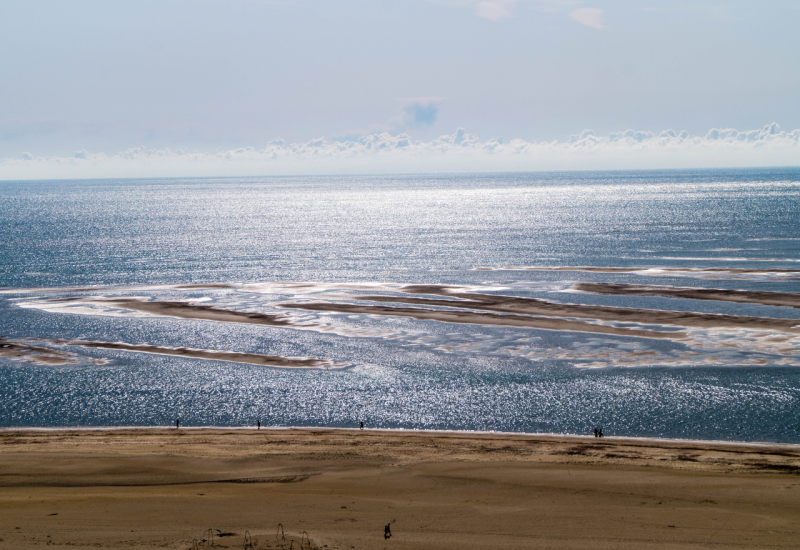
460	152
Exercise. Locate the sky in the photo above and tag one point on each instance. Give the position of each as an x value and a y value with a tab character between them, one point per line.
92	88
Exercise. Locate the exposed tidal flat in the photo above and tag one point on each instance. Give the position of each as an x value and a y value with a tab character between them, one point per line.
651	304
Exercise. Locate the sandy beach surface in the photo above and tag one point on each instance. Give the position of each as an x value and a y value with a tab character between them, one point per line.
338	489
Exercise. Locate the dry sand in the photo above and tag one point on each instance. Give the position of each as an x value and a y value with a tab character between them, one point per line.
149	488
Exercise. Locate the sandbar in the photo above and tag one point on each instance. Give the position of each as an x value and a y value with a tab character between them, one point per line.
41	355
216	355
476	318
518	311
25	351
188	310
766	298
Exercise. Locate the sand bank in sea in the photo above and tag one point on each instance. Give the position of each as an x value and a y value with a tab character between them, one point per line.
26	351
469	307
41	355
475	318
164	487
216	355
780	299
516	311
188	310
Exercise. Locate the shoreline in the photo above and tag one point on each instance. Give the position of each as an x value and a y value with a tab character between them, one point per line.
408	431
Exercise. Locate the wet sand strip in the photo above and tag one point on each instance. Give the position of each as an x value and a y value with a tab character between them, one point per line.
184	310
517	309
475	318
215	355
780	299
205	286
36	354
51	290
48	356
534	306
592	269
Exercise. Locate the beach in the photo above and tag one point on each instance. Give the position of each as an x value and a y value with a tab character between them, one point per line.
339	488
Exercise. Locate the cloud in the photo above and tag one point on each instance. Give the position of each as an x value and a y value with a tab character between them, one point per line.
414	112
496	10
591	17
421	111
457	152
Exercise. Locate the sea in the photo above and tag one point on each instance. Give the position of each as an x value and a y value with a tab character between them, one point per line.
645	303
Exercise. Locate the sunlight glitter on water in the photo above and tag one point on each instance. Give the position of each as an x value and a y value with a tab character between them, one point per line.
257	245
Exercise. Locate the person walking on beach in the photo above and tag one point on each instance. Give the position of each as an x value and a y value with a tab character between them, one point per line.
596	433
259	424
387	531
362	425
177	423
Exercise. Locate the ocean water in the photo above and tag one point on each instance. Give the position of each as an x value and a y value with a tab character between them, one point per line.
654	303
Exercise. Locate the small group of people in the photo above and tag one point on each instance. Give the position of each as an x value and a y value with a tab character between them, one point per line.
598	433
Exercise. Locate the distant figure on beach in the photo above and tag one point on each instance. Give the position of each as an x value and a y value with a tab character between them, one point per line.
600	432
177	423
387	531
259	424
362	425
596	433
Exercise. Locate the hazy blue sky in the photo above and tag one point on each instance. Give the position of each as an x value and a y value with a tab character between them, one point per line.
211	75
